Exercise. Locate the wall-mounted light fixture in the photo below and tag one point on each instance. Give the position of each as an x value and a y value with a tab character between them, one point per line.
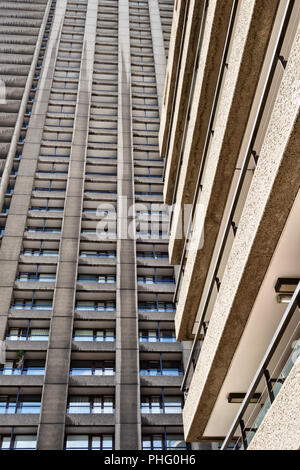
239	397
285	288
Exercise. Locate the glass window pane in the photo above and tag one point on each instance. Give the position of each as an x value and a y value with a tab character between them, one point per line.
5	443
100	335
175	442
157	442
25	442
39	334
107	442
83	335
77	442
79	405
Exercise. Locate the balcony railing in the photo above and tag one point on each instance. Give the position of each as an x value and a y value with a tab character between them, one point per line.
22	371
273	384
161	372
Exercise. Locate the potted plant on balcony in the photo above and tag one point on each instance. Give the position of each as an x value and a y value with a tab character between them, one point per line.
20	358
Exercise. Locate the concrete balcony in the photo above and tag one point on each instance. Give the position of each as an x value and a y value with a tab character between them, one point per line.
224	154
41	236
100	179
22	420
178	68
26	345
161	347
21	380
164	288
147	180
152	262
35	285
96	287
157	316
101	419
94	315
97	261
39	259
161	419
148	198
266	247
29	314
161	381
100	196
193	138
279	429
91	381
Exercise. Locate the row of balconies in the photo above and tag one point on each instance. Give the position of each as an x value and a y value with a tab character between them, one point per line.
145	252
28	333
162	440
150	303
161	367
90	404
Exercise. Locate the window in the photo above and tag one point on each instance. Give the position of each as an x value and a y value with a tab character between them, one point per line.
102	279
24	304
106	305
36	277
29	252
19	442
27	367
92	368
164	442
156	307
154	368
94	335
172	405
99	254
161	404
152	254
157	336
86	442
90	405
25	334
156	280
20	405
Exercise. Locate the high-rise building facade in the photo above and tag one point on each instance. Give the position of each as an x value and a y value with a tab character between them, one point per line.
103	344
86	289
230	137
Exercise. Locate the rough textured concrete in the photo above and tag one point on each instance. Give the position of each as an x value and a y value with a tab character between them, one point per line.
250	40
128	431
183	88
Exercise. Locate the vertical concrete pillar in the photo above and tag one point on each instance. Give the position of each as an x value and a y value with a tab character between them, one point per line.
128	426
51	431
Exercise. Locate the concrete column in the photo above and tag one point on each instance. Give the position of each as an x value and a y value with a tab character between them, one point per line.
128	421
159	53
51	431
